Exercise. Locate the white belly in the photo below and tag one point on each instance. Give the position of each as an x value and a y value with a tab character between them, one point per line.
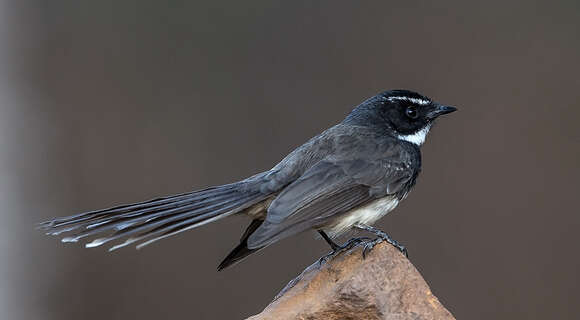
367	214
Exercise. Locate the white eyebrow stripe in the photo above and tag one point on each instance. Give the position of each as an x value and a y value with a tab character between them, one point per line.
414	100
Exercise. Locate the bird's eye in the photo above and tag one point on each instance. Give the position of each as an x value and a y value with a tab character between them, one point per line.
411	112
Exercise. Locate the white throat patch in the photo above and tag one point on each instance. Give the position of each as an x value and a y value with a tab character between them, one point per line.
418	137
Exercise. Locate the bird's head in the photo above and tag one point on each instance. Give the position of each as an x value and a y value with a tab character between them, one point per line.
405	114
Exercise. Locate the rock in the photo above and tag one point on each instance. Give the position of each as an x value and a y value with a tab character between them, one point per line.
385	285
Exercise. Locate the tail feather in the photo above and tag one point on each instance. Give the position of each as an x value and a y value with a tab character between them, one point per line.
181	221
85	217
158	218
130	226
124	221
153	212
184	226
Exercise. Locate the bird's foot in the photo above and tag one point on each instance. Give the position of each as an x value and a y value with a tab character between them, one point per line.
381	236
346	246
371	244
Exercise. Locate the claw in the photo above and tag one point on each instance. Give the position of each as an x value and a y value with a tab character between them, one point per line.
370	245
400	247
404	251
346	246
382	236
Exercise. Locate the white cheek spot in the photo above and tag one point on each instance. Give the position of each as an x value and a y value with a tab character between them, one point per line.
418	137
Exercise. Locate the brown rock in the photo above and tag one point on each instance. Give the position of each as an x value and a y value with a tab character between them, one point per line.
385	285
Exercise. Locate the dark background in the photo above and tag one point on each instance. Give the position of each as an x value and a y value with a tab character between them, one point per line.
108	102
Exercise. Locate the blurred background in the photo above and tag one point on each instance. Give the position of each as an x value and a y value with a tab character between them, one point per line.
109	102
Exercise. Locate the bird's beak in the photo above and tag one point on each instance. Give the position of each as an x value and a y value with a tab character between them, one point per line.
440	110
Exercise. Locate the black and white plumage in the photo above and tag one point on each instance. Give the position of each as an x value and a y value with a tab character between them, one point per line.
351	174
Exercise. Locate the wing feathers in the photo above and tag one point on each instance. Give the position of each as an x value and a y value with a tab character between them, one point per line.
328	189
314	215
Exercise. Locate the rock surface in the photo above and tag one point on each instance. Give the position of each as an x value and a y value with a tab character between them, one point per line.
385	285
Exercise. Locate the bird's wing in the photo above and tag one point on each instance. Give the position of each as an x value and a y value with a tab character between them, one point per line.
330	187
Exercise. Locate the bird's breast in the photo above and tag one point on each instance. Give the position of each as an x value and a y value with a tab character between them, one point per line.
367	214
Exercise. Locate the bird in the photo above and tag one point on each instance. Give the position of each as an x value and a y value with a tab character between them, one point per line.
345	178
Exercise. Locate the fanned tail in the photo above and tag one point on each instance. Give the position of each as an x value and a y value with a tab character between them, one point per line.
149	221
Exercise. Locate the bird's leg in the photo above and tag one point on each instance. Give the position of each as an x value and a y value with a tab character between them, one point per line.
382	236
331	243
337	248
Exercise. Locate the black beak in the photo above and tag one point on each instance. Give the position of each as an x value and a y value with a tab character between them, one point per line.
440	110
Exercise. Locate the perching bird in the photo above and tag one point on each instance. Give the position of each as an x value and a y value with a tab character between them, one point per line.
345	178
